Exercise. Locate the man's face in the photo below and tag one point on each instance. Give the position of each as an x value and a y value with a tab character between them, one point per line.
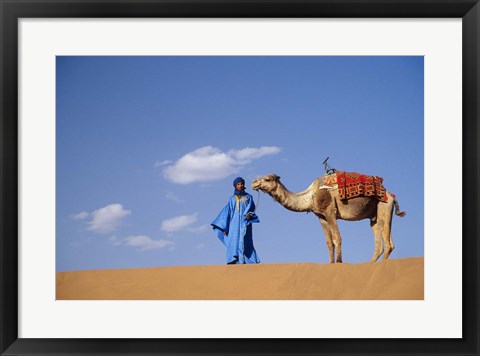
240	186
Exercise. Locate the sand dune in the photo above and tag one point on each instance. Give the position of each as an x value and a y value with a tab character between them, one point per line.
395	279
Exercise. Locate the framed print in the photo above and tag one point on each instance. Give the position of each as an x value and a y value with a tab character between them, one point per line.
124	125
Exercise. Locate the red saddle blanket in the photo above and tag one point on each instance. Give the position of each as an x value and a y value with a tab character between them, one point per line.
351	185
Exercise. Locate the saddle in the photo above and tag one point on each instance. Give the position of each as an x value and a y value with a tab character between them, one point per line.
352	184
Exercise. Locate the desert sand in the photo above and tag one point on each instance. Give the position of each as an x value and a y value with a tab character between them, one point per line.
394	279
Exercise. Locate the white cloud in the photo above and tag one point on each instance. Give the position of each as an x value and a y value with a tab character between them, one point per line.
208	163
145	242
80	216
107	219
115	241
163	163
246	155
199	229
171	196
178	223
141	242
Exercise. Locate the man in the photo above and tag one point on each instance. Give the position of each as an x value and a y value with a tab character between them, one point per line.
234	226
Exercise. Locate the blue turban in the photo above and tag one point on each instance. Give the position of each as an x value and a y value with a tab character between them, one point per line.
235	182
238	180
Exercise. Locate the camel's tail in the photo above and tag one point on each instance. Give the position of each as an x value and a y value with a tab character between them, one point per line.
397	207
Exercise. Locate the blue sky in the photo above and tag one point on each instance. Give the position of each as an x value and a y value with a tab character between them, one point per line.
147	149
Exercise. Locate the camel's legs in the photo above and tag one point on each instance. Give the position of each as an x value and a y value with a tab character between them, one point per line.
385	214
390	246
328	238
377	232
335	232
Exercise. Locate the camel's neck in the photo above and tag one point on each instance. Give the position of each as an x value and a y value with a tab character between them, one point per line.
300	202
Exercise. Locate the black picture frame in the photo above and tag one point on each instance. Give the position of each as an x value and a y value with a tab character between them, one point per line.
13	10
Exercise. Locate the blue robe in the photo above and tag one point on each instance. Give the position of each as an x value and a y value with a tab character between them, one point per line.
233	220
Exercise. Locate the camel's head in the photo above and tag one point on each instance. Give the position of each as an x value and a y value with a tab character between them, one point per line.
266	184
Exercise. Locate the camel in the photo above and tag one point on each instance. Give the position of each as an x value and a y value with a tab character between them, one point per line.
323	200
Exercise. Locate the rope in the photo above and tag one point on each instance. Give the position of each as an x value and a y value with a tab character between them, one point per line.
258	201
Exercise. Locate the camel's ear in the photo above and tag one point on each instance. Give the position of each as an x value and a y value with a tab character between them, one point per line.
277	178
